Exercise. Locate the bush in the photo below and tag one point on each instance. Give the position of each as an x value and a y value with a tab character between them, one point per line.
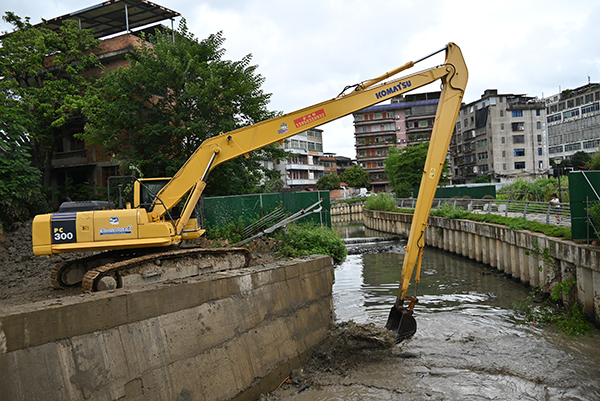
382	201
307	239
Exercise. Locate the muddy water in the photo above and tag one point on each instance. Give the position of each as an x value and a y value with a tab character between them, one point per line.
469	345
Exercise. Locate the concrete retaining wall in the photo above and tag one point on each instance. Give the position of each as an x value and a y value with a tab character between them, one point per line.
346	212
533	258
227	335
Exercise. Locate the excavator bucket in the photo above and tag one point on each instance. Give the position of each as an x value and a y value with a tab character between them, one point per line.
402	322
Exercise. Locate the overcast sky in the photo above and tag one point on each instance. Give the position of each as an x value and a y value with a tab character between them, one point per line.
308	51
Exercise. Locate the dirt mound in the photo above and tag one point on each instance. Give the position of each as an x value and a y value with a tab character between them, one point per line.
347	345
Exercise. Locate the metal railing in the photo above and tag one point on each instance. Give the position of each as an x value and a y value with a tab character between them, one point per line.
542	212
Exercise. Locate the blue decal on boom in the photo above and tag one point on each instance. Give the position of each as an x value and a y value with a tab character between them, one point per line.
393	89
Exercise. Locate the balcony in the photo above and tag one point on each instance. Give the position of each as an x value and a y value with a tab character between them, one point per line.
72	158
305	181
305	167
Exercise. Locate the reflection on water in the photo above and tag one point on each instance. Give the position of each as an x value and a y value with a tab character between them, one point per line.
366	285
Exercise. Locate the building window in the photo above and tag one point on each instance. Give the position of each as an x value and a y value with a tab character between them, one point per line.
519	165
423	123
408	112
502	126
504	153
109	171
359	117
589	98
503	140
539	125
537	112
518	138
555	117
518	126
571	113
519	152
482	156
517	113
570	103
501	113
539	138
591	108
539	151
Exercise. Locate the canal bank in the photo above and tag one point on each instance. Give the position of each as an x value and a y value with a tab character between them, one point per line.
533	258
225	335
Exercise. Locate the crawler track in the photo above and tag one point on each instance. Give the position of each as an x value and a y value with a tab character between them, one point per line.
116	269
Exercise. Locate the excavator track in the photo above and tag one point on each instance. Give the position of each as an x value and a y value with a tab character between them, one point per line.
70	273
164	267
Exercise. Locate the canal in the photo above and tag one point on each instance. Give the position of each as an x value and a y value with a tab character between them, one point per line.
470	343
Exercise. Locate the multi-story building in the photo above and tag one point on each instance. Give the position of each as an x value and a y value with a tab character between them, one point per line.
500	135
73	162
407	120
328	161
573	118
303	169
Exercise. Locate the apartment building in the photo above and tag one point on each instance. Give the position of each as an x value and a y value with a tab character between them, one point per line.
573	118
502	136
407	120
303	170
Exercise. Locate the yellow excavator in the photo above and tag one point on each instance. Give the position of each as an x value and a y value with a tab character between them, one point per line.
151	221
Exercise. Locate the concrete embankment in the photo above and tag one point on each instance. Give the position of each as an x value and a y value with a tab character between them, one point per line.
346	212
532	258
225	335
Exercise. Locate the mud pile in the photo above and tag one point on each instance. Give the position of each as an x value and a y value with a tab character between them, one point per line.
347	346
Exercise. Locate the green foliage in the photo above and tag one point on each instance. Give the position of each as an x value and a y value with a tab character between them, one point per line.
563	288
328	182
381	201
46	100
404	167
580	160
356	177
308	239
594	162
540	190
232	232
174	96
594	212
448	211
538	309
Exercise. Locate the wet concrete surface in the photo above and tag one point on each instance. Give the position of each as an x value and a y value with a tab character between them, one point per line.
470	344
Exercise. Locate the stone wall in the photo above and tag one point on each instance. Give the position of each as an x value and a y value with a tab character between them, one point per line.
227	335
532	258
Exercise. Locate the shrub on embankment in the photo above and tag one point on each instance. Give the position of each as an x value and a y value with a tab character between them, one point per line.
308	239
296	240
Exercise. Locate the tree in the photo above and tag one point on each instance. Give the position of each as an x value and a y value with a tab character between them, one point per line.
580	160
356	177
154	113
329	182
21	194
594	163
404	167
41	81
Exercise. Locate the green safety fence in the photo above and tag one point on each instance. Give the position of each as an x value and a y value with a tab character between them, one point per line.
584	190
222	210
